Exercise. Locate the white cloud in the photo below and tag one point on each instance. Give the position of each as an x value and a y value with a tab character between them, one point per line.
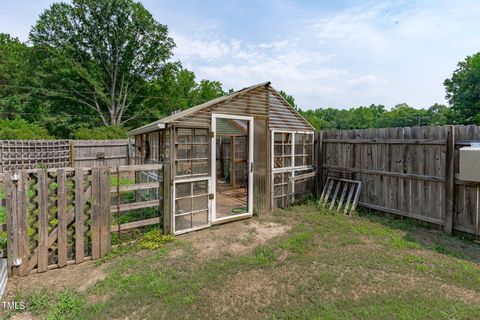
372	53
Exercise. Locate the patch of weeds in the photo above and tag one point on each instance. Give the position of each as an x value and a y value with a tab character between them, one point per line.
297	242
470	271
440	248
154	239
68	306
399	242
262	256
423	268
39	301
120	250
411	258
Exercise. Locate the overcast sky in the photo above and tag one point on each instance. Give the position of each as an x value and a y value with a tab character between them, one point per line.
325	53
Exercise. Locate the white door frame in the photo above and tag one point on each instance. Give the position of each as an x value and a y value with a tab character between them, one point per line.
214	165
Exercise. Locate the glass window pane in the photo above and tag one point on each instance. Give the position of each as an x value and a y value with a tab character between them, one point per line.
199	219
199	166
184	168
298	161
298	138
299	149
278	137
200	135
278	162
184	135
200	203
277	178
287	150
183	222
278	191
308	161
200	187
183	205
183	189
184	151
308	150
278	150
287	161
287	138
200	151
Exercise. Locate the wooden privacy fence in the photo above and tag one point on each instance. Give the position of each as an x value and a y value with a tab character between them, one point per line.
32	154
411	172
58	217
98	153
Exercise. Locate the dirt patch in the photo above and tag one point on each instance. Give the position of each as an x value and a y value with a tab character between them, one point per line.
78	277
227	239
233	238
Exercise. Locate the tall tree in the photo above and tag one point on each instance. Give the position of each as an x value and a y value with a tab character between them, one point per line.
98	54
463	90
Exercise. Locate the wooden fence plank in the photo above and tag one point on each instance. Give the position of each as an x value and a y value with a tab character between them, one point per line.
79	217
104	214
42	263
11	201
95	219
62	217
23	239
450	174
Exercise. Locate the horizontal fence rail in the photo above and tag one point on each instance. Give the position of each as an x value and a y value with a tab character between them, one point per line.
410	172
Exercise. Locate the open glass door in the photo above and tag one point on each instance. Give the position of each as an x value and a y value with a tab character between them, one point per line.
232	167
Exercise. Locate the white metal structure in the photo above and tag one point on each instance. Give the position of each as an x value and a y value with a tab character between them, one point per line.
213	178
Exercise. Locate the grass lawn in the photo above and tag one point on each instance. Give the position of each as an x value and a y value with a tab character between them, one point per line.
301	263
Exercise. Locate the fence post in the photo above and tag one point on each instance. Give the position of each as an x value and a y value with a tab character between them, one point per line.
450	178
11	204
319	162
72	154
167	208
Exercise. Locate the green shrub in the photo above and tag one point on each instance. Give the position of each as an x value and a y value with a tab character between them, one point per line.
20	129
100	133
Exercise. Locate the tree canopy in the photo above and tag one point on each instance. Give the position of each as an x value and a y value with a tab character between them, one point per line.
98	68
99	54
463	90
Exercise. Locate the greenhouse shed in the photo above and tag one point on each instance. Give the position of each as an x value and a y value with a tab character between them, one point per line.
243	153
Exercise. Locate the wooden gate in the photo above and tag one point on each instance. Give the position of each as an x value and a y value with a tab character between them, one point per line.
56	217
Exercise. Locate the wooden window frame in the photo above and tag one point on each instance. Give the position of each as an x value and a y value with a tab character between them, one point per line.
292	169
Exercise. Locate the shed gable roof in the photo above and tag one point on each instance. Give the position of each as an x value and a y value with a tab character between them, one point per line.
295	116
160	124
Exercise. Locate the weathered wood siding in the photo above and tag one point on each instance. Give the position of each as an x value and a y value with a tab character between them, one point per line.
407	171
253	103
